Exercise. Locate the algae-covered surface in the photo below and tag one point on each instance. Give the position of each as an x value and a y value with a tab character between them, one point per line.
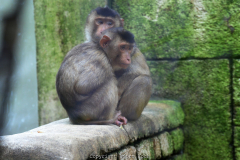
236	98
206	104
182	29
197	39
202	34
177	138
175	115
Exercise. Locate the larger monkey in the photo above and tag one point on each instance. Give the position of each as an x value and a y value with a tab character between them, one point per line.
134	83
86	84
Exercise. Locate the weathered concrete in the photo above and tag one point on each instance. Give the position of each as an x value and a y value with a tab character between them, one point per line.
148	124
157	147
166	144
145	149
63	140
128	153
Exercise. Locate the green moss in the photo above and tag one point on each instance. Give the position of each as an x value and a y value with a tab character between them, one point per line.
237	115
182	29
237	141
236	68
213	35
178	138
203	88
174	115
233	25
160	30
236	88
59	27
236	97
236	82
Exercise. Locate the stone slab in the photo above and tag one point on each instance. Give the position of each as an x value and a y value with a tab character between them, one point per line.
63	140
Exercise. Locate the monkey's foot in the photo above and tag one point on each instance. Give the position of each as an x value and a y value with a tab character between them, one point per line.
121	121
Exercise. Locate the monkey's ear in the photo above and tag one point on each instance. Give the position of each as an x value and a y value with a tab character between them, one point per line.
104	41
122	22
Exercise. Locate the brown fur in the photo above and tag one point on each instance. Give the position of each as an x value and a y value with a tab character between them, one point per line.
134	87
90	27
134	83
86	84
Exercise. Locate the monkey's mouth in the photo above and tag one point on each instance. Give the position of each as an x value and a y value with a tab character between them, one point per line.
123	65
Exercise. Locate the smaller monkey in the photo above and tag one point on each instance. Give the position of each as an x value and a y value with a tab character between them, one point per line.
86	84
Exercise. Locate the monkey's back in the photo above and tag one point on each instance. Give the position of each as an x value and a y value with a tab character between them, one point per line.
84	71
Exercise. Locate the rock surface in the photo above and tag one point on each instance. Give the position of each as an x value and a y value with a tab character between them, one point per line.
63	140
128	153
166	144
145	150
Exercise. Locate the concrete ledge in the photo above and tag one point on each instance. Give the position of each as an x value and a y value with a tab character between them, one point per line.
63	140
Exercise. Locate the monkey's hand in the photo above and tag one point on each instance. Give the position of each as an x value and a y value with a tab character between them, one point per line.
121	120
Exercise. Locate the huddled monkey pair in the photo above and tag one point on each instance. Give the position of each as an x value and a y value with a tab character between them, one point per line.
105	80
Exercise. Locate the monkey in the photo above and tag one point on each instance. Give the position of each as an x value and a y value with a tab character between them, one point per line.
99	20
135	82
86	84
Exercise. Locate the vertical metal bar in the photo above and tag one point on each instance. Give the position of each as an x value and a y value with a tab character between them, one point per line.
109	3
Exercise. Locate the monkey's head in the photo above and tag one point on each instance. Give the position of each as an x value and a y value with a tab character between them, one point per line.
99	20
119	46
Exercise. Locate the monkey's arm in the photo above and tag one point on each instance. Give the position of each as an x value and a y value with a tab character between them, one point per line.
138	67
135	97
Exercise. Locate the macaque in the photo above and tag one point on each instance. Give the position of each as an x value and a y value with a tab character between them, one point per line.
99	20
134	82
86	84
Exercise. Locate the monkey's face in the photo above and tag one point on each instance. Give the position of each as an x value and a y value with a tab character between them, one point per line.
119	54
123	58
118	44
99	20
103	23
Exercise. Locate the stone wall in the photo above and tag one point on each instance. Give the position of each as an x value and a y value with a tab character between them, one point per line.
160	146
157	134
192	48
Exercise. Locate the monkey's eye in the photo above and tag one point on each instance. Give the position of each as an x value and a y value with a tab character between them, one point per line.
122	47
130	48
109	23
99	21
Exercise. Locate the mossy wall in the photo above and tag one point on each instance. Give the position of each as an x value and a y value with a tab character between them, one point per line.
59	27
236	103
192	48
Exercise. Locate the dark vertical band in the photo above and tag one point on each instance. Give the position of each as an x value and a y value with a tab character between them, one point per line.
109	3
